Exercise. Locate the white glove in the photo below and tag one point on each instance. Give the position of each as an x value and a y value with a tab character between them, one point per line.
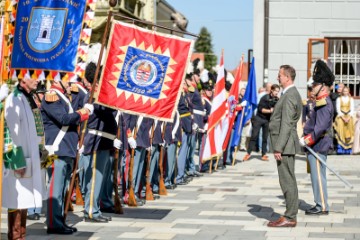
81	150
132	142
162	144
195	127
243	103
4	91
117	143
89	107
302	142
149	149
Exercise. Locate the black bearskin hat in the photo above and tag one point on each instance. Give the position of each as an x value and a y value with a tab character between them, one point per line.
322	74
90	72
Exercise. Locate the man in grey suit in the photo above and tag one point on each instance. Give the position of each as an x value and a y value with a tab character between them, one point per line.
285	143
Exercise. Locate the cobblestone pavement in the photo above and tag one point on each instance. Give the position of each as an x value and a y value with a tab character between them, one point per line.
235	203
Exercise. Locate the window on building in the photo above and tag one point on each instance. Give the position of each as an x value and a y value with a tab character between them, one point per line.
344	61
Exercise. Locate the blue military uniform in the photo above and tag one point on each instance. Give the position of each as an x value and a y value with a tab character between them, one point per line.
155	153
142	142
98	142
78	99
186	125
128	123
61	138
318	135
172	137
197	106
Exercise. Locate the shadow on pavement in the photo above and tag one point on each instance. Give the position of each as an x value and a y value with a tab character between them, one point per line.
142	213
263	212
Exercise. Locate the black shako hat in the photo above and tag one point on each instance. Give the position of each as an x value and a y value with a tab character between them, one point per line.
322	74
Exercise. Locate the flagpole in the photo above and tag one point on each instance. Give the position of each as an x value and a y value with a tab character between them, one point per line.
5	17
240	126
81	142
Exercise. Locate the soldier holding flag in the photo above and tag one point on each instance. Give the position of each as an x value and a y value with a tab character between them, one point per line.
60	123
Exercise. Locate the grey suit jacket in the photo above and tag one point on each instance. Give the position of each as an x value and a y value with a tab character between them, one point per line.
283	123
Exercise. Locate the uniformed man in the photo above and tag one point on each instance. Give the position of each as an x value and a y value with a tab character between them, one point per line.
154	162
186	125
198	111
142	146
171	138
318	135
100	138
128	125
61	136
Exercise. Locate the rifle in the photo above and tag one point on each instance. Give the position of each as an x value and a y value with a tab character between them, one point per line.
149	195
118	207
332	170
131	198
162	188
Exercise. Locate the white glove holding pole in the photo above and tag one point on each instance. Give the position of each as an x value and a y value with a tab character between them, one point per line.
243	103
195	127
81	150
302	142
132	142
89	107
4	91
117	143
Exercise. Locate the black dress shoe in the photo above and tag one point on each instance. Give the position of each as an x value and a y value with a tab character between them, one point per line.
183	182
95	220
74	229
63	231
170	187
197	174
34	217
105	217
315	211
108	210
156	197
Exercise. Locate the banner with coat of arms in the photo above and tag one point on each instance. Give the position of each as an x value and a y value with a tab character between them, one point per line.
143	71
52	36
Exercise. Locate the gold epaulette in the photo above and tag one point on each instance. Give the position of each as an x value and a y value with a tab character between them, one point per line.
74	88
321	102
51	96
304	101
191	89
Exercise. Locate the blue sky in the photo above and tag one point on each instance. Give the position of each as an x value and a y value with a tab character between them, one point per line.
230	23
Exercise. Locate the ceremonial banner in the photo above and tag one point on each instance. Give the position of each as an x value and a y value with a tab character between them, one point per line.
217	123
251	104
232	102
143	71
47	34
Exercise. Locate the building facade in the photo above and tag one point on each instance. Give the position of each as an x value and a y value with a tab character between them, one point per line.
156	11
298	32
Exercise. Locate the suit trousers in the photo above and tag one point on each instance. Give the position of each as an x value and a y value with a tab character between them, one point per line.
287	179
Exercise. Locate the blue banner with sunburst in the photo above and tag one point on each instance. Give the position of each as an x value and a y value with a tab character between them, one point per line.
47	34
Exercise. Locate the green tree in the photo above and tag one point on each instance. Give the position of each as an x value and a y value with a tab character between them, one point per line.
204	45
